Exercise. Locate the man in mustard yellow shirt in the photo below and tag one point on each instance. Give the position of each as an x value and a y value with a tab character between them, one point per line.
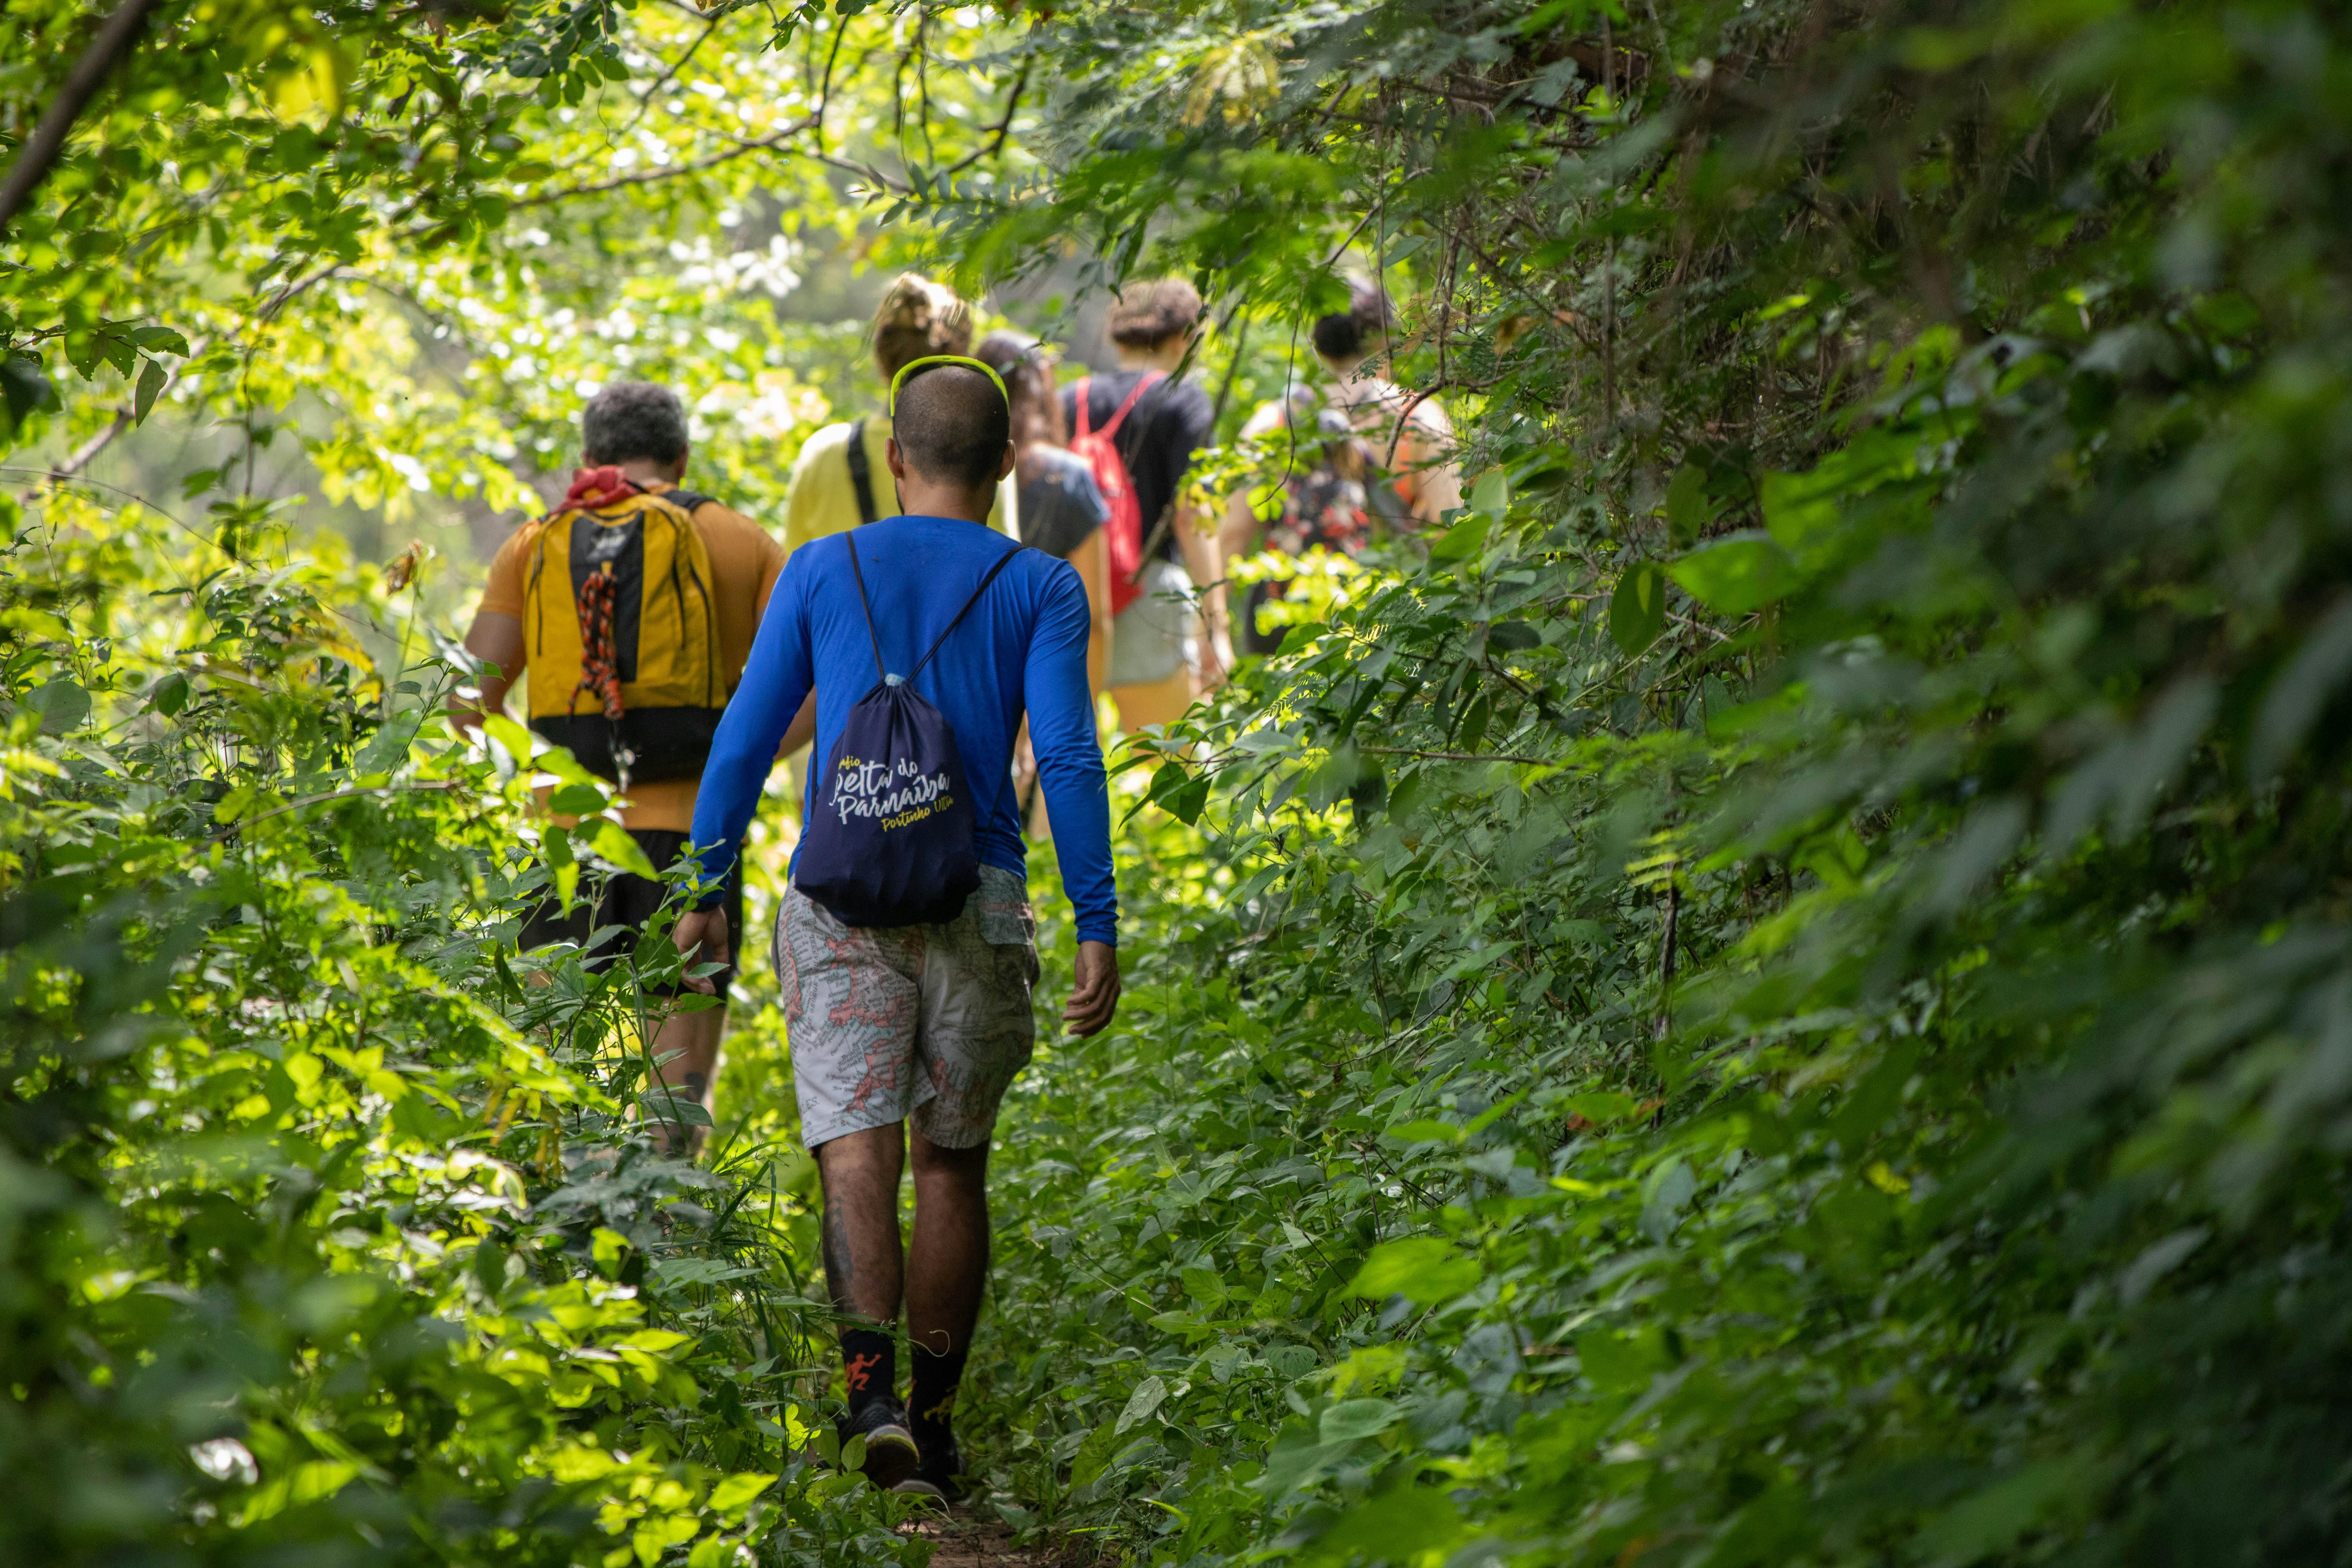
641	430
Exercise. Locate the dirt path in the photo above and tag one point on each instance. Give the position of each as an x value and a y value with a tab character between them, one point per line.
966	1542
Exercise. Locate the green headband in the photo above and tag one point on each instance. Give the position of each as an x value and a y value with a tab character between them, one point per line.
980	365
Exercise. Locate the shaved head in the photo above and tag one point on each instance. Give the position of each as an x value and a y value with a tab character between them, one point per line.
952	426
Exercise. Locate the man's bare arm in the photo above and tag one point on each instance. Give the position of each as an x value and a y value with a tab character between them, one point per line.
1204	562
802	730
496	640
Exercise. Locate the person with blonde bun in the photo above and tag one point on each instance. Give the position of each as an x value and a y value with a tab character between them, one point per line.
917	318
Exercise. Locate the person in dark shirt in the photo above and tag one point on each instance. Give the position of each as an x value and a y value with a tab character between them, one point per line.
1157	658
1061	508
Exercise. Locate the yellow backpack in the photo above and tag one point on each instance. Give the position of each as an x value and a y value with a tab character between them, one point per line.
621	636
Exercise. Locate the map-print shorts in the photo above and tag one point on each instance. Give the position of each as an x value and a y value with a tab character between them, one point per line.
927	1022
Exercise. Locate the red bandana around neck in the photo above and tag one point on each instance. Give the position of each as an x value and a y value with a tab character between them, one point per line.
597	487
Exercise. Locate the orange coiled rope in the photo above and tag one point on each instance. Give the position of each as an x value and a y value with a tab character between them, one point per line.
600	661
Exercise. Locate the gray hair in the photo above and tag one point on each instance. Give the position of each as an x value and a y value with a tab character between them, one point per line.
633	419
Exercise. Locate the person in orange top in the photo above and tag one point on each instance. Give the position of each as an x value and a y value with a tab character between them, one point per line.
641	430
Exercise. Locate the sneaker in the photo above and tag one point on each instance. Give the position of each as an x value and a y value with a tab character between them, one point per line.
939	1476
890	1453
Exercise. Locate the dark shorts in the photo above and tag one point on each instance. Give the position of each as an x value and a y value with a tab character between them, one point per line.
629	902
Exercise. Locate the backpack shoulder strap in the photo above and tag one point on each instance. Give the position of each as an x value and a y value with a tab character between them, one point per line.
1001	563
861	478
1152	378
687	502
849	542
1085	415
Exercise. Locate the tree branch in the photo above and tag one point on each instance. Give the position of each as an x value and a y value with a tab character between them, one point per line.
1003	128
81	457
41	149
648	176
1460	756
813	121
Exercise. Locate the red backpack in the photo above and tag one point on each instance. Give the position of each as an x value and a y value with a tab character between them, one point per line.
1124	533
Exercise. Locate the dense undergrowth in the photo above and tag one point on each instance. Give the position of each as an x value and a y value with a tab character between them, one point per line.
1779	998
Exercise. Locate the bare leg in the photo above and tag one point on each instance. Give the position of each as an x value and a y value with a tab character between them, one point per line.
863	1270
947	1266
864	1265
686	1055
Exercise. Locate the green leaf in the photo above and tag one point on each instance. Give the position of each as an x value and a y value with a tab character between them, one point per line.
577	800
1601	1107
169	695
25	387
1291	1361
490	1266
1186	805
62	705
117	350
738	1491
1618	1362
1421	1269
1335	776
1407	1523
1412	1132
1736	573
388	747
160	340
1979	1526
1461	541
1142	1404
151	380
1637	610
1094	1454
1664	1194
1491	496
1204	1285
1688	509
613	843
1352	1419
511	737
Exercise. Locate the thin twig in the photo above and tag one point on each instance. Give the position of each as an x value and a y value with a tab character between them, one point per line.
648	176
1341	249
669	74
1003	128
812	121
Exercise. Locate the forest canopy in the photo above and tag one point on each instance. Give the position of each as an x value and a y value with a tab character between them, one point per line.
1773	991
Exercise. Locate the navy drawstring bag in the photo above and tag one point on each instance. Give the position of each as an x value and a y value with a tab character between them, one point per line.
890	840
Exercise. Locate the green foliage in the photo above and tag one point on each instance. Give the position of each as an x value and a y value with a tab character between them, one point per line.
1771	993
324	1227
392	251
1829	1051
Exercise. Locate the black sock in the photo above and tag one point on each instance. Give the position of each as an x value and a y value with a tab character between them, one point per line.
871	1358
930	1402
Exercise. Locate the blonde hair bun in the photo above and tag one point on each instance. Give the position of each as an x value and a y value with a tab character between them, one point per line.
919	317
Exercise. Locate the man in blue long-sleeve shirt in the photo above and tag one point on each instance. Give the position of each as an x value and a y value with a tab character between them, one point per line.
927	1023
